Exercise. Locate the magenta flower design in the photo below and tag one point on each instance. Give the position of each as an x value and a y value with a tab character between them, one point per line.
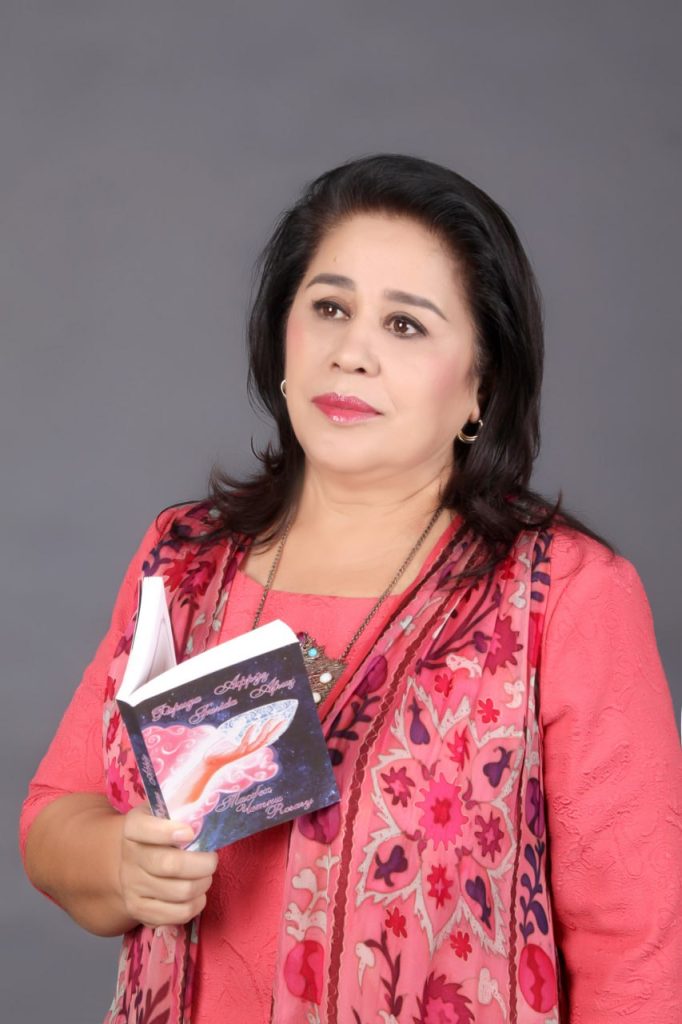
439	884
503	645
396	922
459	750
460	943
488	711
489	835
398	785
442	817
443	1002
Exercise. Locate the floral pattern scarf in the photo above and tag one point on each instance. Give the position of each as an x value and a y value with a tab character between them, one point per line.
423	896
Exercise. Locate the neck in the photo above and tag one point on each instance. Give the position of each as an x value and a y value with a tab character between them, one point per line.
341	506
351	542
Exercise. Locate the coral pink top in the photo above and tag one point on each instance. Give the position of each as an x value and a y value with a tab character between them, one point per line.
613	784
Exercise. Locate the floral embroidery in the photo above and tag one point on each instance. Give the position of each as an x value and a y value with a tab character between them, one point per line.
459	749
461	944
419	734
394	1002
125	642
489	835
396	922
189	574
113	727
431	865
488	711
443	1002
395	864
398	785
503	646
303	970
442	819
444	683
439	884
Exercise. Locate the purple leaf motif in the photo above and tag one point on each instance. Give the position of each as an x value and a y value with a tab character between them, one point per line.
535	811
480	641
419	734
493	770
476	890
397	862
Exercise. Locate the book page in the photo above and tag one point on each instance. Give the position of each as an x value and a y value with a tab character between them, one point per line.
152	652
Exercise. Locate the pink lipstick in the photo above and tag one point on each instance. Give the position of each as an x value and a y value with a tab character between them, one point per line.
344	408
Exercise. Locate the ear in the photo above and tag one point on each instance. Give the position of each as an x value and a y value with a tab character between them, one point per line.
480	402
475	413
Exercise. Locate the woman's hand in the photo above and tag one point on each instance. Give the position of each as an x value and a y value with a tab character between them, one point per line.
160	883
113	871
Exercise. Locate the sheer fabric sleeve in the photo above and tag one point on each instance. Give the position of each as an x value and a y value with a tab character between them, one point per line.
613	781
73	762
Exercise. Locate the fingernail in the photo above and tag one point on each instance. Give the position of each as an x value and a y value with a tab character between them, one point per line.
183	835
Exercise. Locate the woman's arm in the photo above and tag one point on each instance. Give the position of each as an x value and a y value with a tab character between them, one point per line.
613	781
112	871
108	871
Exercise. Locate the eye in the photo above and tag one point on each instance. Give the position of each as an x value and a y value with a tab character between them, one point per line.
323	306
406	321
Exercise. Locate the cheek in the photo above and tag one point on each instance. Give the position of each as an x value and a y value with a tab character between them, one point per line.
449	387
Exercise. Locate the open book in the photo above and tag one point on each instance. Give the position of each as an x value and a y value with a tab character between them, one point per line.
228	740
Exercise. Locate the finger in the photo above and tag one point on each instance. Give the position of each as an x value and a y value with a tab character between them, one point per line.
169	862
143	827
169	890
155	913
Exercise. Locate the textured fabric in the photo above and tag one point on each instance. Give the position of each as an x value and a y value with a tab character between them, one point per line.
424	894
609	738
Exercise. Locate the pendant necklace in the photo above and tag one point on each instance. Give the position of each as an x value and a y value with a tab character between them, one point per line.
322	670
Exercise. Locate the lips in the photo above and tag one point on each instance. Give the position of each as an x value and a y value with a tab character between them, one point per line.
344	408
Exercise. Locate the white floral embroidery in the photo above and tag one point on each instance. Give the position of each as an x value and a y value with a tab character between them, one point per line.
516	691
488	989
366	958
314	915
518	599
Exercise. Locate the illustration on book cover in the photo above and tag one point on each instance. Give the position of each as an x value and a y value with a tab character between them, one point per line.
236	751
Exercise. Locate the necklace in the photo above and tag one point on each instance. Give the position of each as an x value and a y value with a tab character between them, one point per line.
322	670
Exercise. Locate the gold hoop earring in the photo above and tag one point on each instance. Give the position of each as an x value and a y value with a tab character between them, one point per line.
470	438
283	388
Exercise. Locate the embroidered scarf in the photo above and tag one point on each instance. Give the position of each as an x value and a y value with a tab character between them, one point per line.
424	895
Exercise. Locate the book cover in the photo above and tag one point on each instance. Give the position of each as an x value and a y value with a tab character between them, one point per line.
229	740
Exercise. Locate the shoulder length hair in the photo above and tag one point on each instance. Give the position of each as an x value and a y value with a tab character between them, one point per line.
489	483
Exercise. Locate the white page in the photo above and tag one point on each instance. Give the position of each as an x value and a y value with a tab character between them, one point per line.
151	668
152	652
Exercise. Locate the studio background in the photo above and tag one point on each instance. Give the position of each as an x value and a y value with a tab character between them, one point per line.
147	150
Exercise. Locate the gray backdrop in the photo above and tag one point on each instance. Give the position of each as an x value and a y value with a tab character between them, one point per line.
147	149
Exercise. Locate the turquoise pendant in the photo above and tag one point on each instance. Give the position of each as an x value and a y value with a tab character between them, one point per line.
322	670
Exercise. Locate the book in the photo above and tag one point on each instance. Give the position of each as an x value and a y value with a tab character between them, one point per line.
228	740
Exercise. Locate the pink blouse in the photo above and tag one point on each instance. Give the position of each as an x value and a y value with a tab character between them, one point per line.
613	784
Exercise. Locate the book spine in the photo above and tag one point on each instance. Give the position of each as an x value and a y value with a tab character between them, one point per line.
144	761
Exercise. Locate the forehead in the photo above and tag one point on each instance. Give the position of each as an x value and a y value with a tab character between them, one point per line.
367	231
390	251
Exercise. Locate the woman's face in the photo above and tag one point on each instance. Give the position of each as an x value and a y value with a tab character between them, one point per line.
380	352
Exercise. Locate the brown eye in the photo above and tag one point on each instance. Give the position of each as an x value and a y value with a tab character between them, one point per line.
405	327
324	307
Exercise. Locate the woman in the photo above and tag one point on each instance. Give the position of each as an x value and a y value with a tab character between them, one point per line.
487	673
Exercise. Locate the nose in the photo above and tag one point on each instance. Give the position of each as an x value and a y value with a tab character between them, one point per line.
355	350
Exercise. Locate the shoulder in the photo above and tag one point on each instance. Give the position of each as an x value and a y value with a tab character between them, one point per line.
189	520
588	576
196	523
599	656
180	534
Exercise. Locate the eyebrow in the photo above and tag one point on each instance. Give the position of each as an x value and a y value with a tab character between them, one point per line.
340	281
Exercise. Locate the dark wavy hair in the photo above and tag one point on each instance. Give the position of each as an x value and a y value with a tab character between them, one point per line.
489	484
